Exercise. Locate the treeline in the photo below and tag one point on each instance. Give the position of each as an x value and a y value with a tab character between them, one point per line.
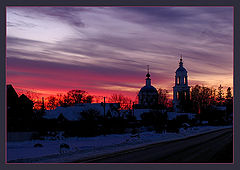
204	97
201	98
72	97
211	105
69	99
202	101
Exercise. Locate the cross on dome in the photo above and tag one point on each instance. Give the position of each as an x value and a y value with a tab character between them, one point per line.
148	75
181	63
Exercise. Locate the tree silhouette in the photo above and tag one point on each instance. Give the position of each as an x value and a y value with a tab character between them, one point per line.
73	97
88	99
201	98
229	93
229	102
220	97
76	96
162	98
51	102
125	102
60	99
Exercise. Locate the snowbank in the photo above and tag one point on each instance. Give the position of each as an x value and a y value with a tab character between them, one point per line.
81	148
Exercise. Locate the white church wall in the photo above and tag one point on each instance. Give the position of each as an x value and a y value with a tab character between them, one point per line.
174	115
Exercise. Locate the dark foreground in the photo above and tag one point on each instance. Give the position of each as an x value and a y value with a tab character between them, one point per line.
213	147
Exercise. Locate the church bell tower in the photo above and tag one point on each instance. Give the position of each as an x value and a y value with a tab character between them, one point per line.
181	90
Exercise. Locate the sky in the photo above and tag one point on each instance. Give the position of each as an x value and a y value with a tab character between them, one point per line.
106	50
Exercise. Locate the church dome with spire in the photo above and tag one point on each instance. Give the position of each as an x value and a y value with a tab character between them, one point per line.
181	68
148	95
181	90
148	89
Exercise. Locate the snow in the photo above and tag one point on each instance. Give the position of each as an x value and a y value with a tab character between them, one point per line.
174	115
220	108
84	147
72	113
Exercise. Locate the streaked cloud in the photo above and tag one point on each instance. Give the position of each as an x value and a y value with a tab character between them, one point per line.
108	48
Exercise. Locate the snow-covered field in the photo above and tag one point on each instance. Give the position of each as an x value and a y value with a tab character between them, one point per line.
84	147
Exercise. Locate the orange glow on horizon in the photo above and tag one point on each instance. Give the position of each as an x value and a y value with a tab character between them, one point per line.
98	94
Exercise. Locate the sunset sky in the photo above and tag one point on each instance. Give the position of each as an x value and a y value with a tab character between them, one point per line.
106	50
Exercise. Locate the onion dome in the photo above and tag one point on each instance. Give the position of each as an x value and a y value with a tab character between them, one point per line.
181	68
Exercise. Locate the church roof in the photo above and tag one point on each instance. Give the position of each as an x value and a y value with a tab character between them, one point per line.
148	89
181	68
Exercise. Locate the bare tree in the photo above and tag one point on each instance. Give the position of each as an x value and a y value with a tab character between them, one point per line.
76	96
162	97
60	99
201	98
97	99
88	99
73	97
51	102
125	102
37	104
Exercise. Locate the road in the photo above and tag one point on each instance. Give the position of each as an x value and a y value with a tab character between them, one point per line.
213	147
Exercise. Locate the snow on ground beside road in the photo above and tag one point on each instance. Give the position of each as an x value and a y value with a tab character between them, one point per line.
83	147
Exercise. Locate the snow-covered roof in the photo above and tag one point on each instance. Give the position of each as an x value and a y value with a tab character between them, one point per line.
174	115
221	108
72	113
171	115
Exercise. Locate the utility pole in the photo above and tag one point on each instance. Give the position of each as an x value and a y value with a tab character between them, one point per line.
104	130
43	107
133	109
104	107
130	104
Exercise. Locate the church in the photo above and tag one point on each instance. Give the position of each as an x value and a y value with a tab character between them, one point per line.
181	90
148	95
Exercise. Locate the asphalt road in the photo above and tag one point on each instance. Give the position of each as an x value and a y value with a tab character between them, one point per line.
213	147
